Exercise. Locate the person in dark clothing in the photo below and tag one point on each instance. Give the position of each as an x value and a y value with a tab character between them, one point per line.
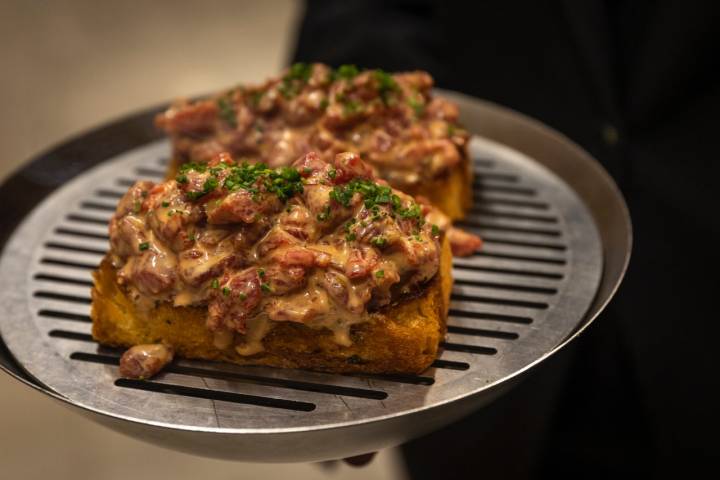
637	84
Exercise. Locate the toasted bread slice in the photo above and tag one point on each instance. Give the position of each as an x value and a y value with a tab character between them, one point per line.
452	192
393	121
401	338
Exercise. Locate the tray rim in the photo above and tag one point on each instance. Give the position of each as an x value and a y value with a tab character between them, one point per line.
142	120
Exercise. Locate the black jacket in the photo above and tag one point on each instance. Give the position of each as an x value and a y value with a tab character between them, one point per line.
638	85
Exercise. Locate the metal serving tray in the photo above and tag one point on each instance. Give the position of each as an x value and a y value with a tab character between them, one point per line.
557	241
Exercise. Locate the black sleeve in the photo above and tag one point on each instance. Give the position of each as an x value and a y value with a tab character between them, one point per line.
393	35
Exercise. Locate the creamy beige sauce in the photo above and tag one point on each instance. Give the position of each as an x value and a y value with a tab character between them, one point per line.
251	342
324	289
405	133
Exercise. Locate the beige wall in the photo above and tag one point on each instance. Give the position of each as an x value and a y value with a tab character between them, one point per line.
65	67
68	65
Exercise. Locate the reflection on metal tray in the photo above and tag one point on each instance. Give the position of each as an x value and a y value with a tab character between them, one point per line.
513	303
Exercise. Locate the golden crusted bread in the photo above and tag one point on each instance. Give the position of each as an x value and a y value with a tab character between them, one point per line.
402	338
451	193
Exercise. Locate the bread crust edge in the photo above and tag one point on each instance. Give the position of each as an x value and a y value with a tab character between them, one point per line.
401	338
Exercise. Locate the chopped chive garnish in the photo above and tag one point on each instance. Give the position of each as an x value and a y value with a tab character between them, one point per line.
144	246
346	72
417	106
295	79
227	111
256	97
325	214
210	184
351	107
194	166
283	182
386	85
375	195
379	241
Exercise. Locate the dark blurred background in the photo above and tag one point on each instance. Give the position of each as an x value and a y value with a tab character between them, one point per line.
636	83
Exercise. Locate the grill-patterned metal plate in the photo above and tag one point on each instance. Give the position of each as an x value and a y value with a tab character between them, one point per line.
514	301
